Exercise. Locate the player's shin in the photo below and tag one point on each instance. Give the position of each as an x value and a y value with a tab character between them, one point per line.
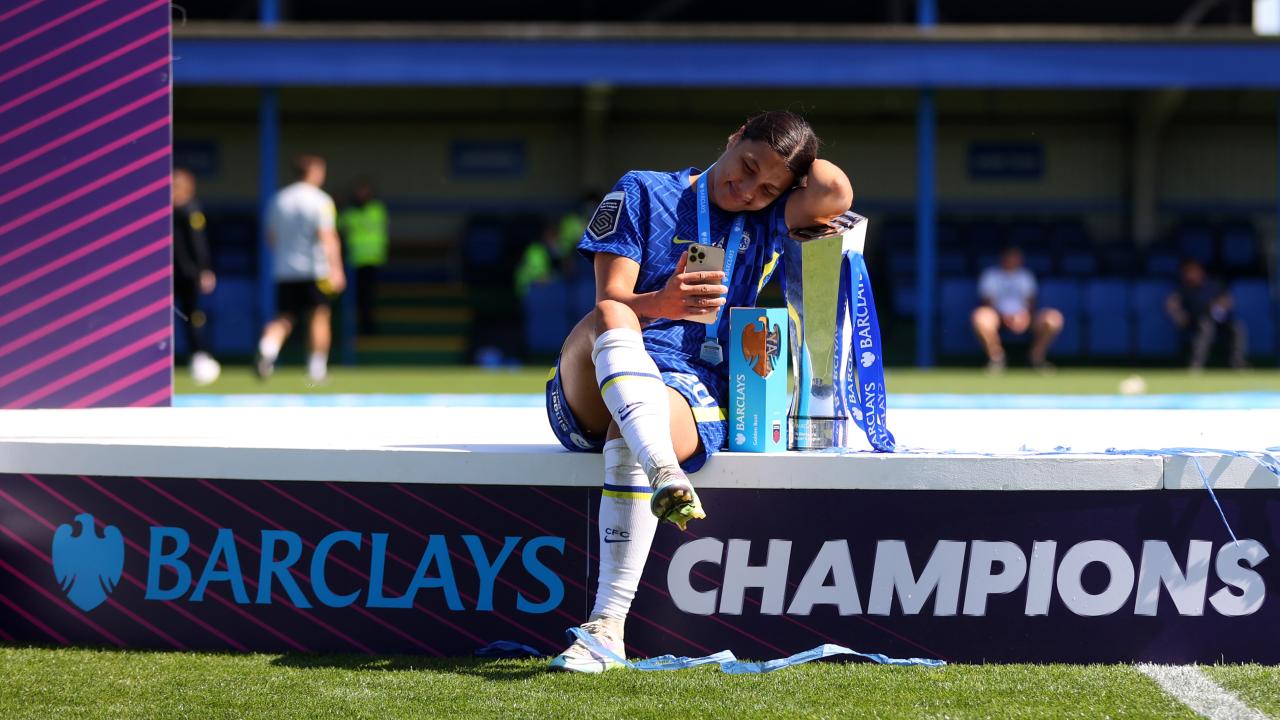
627	528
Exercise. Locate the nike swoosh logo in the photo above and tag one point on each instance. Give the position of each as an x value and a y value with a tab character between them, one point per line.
615	540
678	241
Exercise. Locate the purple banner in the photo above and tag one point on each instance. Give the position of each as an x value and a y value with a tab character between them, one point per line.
85	308
444	569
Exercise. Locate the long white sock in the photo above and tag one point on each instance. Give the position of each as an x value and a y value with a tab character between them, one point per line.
626	531
632	388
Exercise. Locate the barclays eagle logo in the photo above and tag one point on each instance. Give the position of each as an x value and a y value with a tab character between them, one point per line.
88	567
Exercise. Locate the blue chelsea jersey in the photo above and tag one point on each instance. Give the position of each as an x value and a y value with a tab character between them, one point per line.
652	218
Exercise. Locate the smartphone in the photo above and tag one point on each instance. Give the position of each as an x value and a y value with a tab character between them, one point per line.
704	258
839	226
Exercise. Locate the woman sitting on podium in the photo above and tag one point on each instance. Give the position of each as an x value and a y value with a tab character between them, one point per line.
640	378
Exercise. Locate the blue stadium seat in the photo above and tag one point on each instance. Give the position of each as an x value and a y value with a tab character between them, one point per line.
982	236
1079	263
582	296
1256	308
1027	235
1069	234
904	297
1065	295
957	297
1038	261
1107	303
902	264
1162	261
234	322
1240	250
1155	334
1119	258
1195	241
952	262
546	317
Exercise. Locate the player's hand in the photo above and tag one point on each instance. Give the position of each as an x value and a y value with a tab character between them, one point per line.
691	294
337	280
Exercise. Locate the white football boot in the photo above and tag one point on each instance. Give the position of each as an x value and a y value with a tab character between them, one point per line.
580	657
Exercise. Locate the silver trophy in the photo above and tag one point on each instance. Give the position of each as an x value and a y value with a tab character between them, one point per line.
813	261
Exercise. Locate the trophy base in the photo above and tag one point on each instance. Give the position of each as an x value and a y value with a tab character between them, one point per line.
812	433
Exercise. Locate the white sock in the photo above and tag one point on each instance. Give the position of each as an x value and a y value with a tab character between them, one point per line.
632	388
626	531
318	366
268	348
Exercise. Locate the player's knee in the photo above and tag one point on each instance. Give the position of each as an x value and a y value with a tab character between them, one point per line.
984	318
611	314
1052	319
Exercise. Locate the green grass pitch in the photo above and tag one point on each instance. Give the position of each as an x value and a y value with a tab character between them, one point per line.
88	683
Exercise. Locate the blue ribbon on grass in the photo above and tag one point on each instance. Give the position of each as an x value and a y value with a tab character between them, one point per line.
731	665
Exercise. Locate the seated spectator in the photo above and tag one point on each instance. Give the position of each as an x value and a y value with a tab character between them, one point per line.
1008	294
1203	309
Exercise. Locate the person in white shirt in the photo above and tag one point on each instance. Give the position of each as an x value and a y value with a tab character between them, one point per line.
1008	294
307	267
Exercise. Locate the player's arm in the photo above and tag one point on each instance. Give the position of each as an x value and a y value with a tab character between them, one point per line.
333	253
825	194
685	294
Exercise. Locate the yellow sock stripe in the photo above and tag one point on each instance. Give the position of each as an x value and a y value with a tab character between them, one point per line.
627	495
551	374
617	378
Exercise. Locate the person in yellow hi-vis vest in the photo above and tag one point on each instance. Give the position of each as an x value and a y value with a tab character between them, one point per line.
364	228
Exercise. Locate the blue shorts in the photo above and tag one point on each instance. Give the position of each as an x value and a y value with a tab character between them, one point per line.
708	413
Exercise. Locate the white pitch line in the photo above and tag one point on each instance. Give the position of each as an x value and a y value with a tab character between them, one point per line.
1195	690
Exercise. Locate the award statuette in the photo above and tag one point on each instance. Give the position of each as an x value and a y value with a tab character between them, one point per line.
835	344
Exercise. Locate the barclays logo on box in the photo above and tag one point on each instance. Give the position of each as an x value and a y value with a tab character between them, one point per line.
88	567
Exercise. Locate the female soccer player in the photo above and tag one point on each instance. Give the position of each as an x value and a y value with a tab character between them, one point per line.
637	378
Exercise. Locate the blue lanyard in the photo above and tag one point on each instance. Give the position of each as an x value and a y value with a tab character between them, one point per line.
731	245
859	355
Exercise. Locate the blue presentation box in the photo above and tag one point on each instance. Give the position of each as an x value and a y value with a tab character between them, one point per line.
758	397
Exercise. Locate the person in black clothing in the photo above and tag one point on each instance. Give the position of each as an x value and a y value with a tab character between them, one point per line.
192	273
1203	309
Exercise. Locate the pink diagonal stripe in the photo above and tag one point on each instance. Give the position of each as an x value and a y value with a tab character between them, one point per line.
138	548
85	190
81	40
85	129
83	311
140	72
59	602
280	598
4	634
52	24
85	220
33	620
93	367
83	250
82	281
233	606
20	8
158	397
349	568
84	341
84	159
48	560
422	536
137	376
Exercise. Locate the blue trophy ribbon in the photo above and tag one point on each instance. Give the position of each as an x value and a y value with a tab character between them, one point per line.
859	358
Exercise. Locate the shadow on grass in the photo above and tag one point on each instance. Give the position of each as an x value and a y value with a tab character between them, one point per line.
493	670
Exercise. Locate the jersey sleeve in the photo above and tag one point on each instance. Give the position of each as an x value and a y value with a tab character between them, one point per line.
619	225
987	286
328	213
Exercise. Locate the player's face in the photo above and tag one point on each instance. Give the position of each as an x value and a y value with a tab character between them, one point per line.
748	177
